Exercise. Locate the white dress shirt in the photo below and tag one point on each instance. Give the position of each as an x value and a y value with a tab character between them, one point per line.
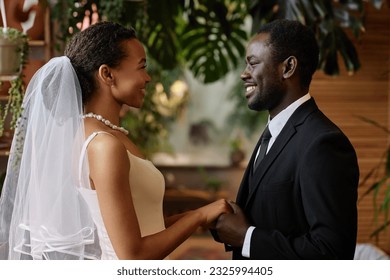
275	126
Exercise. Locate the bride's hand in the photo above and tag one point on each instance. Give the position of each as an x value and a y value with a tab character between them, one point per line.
212	211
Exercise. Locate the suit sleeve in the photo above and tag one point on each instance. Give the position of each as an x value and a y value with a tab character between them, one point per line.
327	180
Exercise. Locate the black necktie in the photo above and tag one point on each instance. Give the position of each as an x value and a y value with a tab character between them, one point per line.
263	146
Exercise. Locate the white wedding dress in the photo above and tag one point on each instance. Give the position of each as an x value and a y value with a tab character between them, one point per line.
147	190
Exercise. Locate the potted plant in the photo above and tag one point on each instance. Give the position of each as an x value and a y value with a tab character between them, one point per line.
13	57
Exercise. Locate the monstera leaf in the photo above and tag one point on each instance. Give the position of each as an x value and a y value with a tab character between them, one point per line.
212	41
208	36
159	31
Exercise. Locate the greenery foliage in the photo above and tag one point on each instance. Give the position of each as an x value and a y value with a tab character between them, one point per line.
17	88
209	37
334	23
380	175
206	36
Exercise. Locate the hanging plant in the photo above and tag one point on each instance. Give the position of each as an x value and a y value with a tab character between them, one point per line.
13	57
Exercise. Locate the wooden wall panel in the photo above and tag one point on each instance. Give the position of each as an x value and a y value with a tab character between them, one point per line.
345	98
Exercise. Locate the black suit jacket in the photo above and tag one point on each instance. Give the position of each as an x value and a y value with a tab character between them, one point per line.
302	198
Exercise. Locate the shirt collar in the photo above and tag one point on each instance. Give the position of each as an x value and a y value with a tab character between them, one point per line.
278	122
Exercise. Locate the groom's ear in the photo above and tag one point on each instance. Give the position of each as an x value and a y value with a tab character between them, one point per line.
105	76
289	66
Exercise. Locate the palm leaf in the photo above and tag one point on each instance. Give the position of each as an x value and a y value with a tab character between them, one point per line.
380	229
374	187
372	173
374	123
347	51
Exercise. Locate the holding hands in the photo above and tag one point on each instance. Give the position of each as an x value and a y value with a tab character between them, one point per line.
212	211
231	227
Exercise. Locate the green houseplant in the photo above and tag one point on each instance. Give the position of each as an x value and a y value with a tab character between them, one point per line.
13	57
380	175
209	37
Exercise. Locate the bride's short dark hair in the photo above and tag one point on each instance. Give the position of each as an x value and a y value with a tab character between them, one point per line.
100	43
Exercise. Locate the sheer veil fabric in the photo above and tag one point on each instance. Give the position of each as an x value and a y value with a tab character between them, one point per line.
42	214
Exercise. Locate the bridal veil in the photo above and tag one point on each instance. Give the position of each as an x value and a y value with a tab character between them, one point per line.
42	214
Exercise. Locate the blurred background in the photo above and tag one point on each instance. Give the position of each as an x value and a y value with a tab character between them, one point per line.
195	125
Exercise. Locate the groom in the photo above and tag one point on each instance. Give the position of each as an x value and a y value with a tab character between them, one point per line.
297	199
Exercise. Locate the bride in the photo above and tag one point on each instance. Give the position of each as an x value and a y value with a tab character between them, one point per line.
76	186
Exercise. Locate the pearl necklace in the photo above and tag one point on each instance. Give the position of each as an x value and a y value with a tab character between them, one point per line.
106	122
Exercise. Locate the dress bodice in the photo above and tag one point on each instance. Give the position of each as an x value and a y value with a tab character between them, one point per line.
147	190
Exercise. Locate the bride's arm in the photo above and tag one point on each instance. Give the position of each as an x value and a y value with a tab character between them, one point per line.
109	170
170	220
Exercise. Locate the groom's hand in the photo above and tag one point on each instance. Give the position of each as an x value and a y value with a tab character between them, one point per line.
231	227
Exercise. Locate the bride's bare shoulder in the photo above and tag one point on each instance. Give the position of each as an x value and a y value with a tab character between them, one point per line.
106	146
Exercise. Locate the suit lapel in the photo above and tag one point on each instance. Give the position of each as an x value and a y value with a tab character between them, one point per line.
288	131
